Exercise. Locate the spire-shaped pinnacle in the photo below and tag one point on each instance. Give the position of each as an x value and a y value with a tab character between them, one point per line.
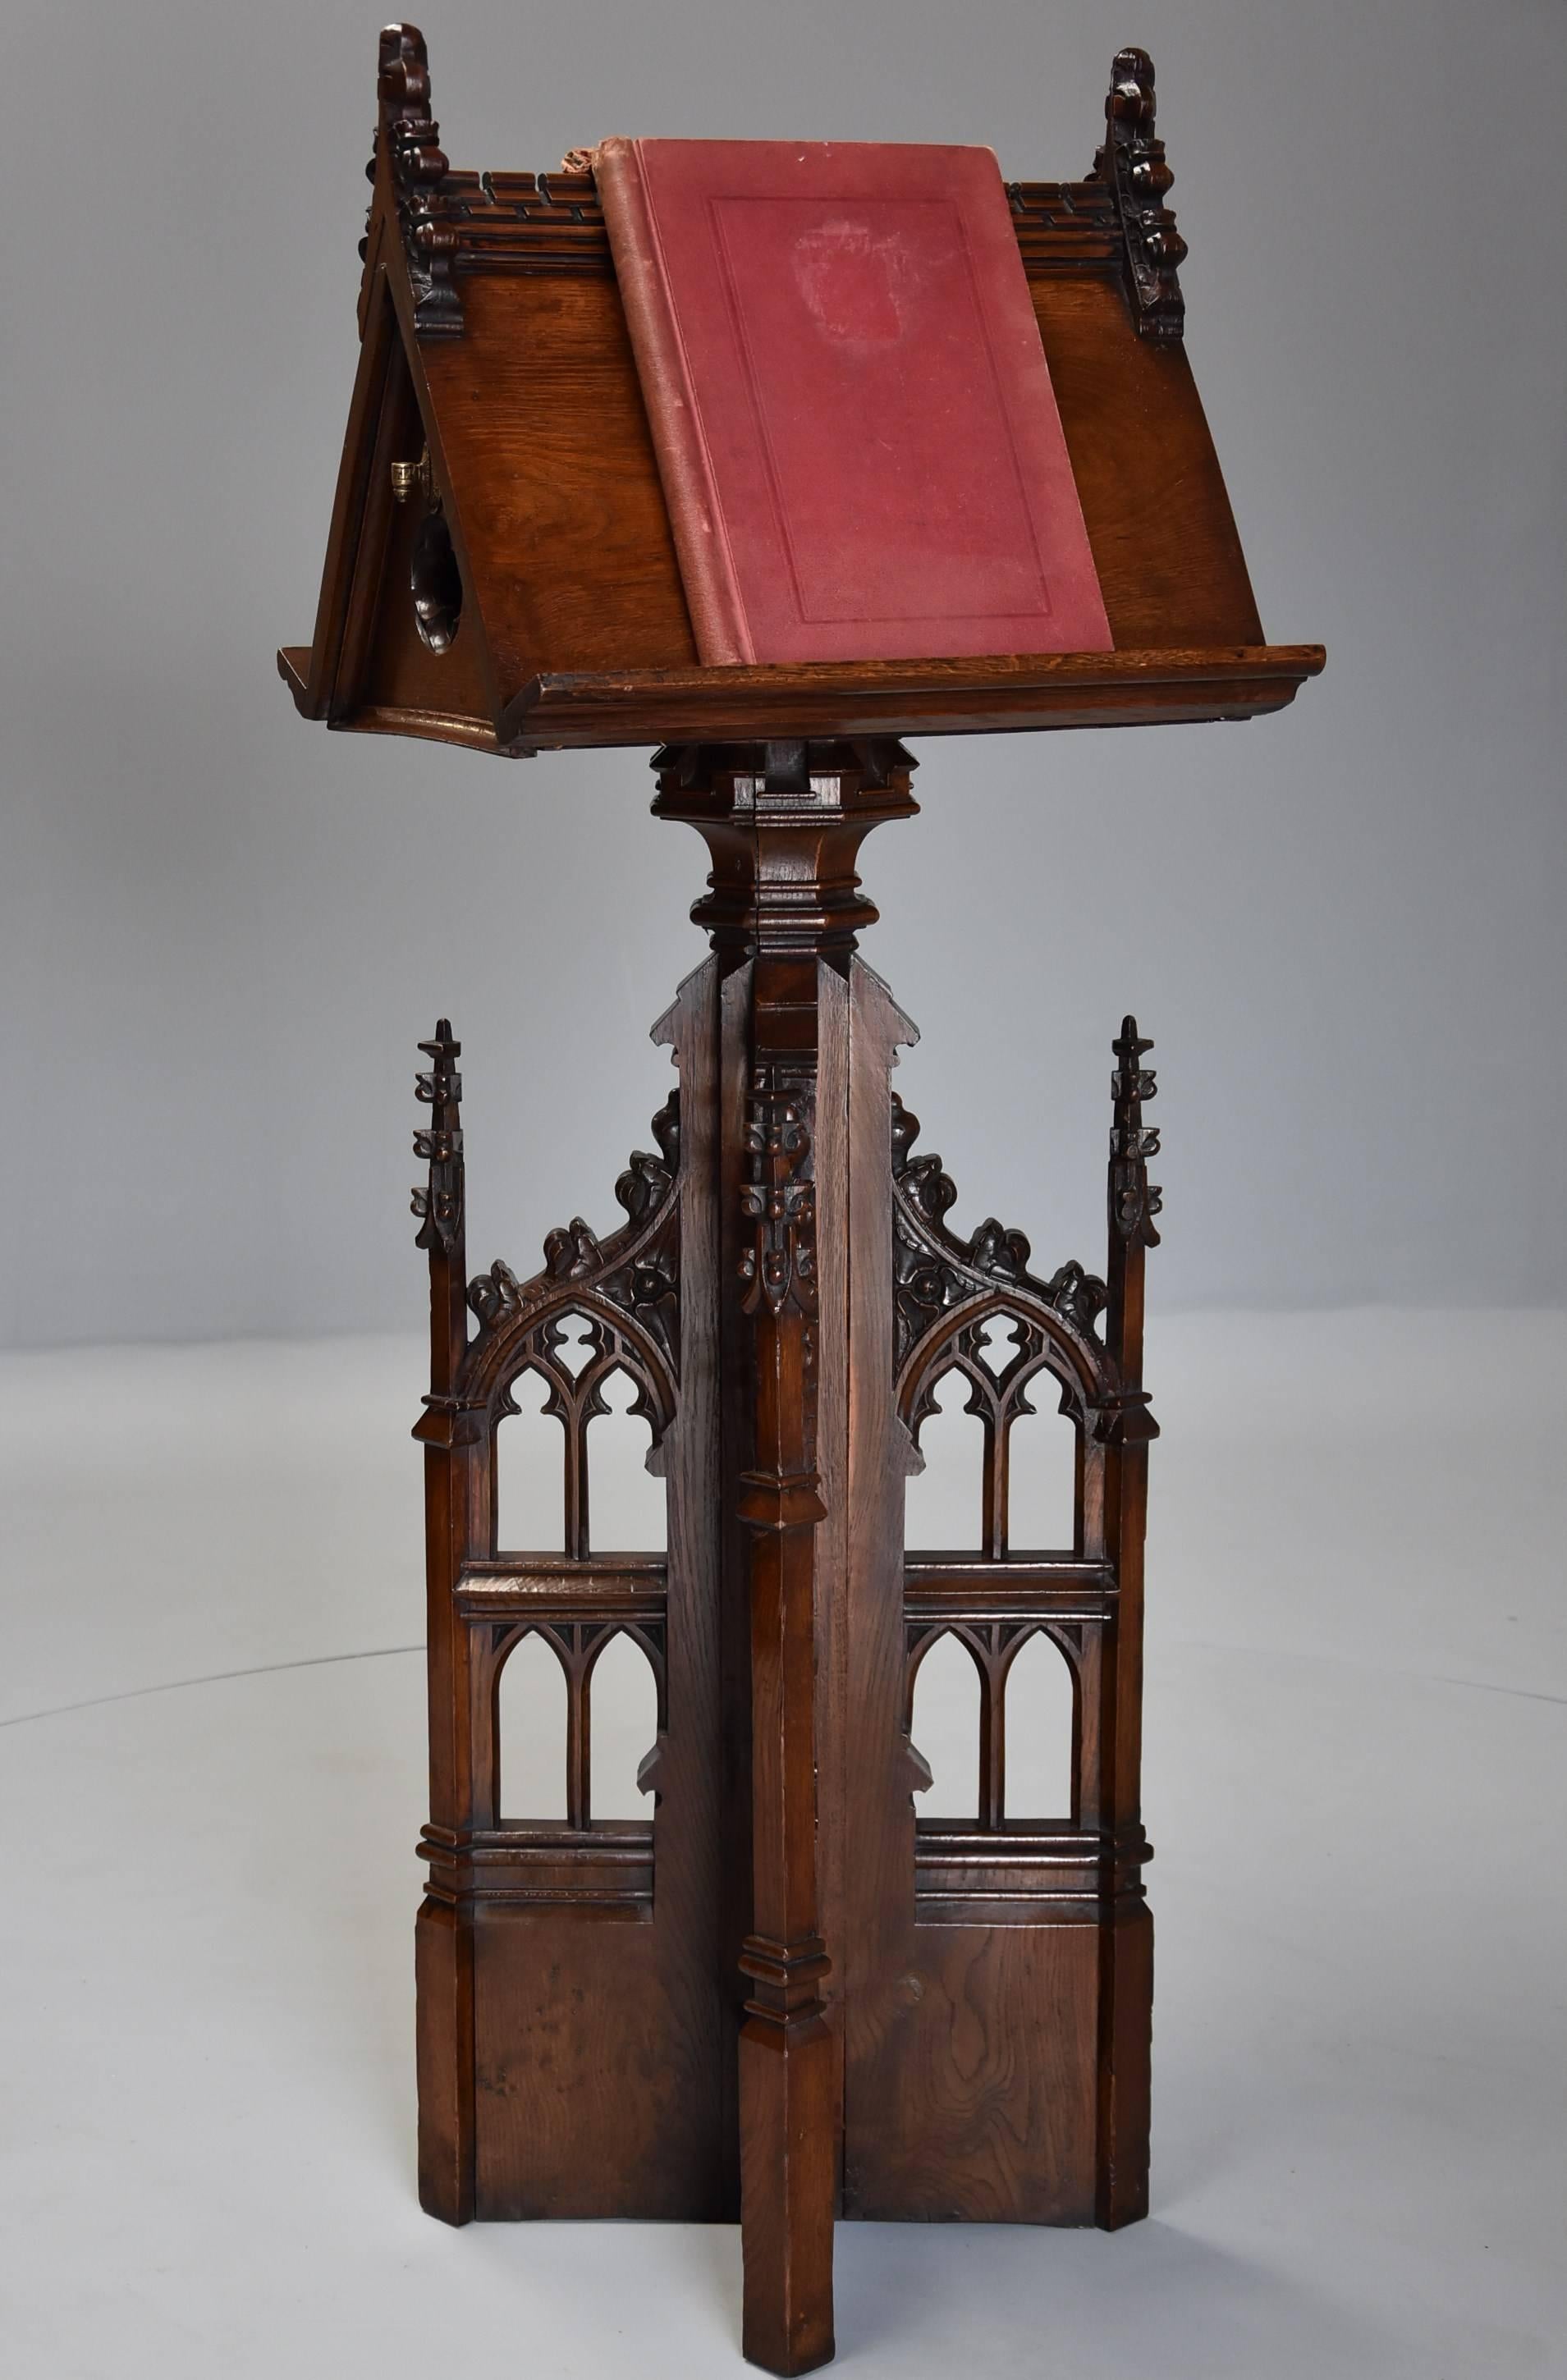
439	1204
1134	1200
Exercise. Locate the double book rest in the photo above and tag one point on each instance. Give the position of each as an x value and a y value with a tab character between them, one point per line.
781	1995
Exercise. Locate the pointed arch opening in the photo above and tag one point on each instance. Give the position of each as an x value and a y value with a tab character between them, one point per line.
529	1457
945	1729
624	1710
530	1734
1042	1472
943	1506
1040	1733
627	1503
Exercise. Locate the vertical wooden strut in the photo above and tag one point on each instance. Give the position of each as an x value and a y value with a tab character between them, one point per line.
1125	1427
788	2112
451	1435
784	823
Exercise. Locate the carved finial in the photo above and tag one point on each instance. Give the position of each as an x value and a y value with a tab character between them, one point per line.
1132	164
439	1205
411	138
1134	1200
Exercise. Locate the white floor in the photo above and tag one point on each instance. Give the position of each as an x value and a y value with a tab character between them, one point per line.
211	1765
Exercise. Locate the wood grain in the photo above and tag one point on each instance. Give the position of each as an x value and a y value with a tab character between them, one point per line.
973	2100
1147	688
510	335
781	1995
575	2035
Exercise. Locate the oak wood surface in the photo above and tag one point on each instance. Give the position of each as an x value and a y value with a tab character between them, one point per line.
538	412
1151	688
782	1993
1164	539
497	294
787	1994
574	2045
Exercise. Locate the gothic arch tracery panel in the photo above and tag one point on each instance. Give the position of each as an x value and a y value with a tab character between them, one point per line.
1024	1346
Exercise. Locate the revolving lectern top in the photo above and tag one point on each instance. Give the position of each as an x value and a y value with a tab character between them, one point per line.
781	1995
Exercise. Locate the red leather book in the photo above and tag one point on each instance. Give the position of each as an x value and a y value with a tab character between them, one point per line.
853	415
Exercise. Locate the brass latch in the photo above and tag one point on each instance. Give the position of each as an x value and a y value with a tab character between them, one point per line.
406	477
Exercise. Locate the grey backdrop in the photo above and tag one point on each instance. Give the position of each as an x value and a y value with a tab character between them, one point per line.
223	931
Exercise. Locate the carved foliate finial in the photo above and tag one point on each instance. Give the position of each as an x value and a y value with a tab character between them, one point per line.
439	1204
1134	1200
411	138
1132	163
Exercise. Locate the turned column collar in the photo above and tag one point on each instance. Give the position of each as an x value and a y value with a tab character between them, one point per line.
784	823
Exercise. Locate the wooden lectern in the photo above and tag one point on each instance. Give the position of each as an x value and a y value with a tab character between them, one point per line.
782	1996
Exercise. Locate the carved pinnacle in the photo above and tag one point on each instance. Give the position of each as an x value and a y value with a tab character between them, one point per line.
439	1203
411	138
1132	165
1134	1200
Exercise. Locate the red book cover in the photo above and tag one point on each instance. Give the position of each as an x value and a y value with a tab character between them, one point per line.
854	419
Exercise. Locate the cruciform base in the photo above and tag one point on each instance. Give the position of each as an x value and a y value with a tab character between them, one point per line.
782	1996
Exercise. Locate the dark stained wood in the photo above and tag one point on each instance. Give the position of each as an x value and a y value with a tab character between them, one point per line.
386	664
1164	541
784	824
781	1995
409	164
513	337
974	2101
1132	167
999	2014
570	553
587	2005
1126	1941
931	2020
1125	689
450	1431
314	682
873	1824
444	1981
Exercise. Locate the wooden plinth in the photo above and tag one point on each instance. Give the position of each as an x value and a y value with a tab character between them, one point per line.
782	1996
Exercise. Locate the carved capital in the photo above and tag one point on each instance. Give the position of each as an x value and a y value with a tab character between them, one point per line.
450	1421
1125	1418
784	823
786	1977
774	1503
